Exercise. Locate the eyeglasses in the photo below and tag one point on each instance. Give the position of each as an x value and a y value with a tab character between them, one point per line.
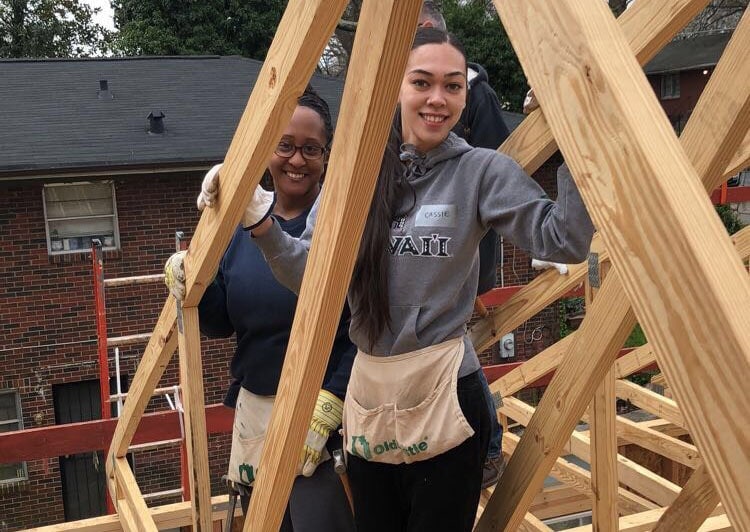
310	152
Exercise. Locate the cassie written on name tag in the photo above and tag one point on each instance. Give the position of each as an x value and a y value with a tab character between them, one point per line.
436	216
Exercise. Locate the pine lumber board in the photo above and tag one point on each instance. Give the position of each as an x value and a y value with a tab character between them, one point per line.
193	403
649	401
603	87
693	506
604	482
133	280
549	359
129	339
653	440
631	474
634	361
741	241
580	479
600	336
648	27
302	34
719	122
534	368
167	516
741	160
131	507
381	48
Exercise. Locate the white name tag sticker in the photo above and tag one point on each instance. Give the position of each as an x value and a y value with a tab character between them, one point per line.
436	216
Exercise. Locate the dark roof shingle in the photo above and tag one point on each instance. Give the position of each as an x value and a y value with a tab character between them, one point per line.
52	119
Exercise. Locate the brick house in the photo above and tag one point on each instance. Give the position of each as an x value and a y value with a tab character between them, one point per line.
678	75
115	149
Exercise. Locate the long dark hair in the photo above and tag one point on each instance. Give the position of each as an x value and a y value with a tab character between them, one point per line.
369	286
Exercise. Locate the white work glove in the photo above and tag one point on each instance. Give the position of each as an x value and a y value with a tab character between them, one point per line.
259	208
174	275
209	188
325	419
562	269
529	103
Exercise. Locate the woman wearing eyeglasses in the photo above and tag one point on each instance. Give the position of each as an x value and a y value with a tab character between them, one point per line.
246	299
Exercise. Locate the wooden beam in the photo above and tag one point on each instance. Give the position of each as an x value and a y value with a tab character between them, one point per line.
648	30
168	516
724	109
631	474
534	368
741	241
649	401
693	506
196	436
384	36
604	483
580	479
601	107
131	507
741	160
672	448
602	333
634	361
87	436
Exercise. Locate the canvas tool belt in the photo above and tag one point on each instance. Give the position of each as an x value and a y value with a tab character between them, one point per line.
251	417
404	408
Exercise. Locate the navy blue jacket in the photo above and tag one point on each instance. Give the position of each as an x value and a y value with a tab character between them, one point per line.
246	299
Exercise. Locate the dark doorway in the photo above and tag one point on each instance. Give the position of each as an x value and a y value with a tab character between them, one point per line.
82	475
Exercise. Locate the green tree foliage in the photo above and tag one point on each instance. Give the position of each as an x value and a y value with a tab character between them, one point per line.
177	27
49	28
476	24
729	218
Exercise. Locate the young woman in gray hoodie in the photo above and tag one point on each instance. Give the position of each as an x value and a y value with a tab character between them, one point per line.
416	423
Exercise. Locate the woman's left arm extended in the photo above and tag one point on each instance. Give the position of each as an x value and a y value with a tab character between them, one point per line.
517	208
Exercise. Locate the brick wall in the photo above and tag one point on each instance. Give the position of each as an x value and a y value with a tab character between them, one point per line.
48	330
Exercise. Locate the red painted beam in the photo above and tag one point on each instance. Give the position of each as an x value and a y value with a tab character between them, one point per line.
733	195
498	296
71	438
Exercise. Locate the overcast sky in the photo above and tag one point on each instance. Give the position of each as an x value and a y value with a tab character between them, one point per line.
104	17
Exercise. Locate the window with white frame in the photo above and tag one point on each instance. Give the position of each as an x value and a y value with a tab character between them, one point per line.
77	213
670	86
11	419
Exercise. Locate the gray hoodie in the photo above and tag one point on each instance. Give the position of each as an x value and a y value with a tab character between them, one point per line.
460	192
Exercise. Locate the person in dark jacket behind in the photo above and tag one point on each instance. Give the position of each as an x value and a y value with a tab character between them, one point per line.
246	299
482	126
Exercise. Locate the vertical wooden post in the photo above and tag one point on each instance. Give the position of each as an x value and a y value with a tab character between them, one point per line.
196	436
603	431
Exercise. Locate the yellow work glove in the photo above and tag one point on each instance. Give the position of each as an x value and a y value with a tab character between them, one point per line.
174	275
326	418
